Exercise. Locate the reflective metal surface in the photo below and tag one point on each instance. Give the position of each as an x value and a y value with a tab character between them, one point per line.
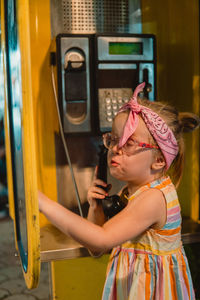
55	245
83	151
190	231
77	16
116	66
70	121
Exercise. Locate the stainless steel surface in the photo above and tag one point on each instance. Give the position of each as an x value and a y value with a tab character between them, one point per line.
147	55
75	57
151	71
55	245
190	231
83	154
83	151
78	16
190	238
110	100
82	122
103	48
116	66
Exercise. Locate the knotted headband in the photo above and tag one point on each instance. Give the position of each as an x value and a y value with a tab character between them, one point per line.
155	124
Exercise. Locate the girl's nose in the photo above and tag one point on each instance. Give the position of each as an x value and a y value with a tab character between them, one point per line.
116	149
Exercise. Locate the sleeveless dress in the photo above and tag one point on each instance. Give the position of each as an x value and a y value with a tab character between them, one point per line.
152	266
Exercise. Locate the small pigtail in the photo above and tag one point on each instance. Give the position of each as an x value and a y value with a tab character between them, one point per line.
188	121
176	169
178	123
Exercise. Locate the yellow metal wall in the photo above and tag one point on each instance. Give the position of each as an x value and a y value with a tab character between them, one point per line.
45	117
81	278
176	26
71	279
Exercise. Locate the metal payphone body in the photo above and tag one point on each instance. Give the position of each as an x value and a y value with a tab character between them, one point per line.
74	77
97	74
122	61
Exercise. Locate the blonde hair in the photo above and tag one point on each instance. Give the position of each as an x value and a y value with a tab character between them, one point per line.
178	122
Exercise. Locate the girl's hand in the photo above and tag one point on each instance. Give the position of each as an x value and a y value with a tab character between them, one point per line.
95	192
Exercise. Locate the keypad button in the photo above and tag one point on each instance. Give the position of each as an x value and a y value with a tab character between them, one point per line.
125	99
109	119
119	100
108	107
114	100
109	113
115	106
108	100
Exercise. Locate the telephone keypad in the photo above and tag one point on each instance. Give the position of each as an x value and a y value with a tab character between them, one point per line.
110	101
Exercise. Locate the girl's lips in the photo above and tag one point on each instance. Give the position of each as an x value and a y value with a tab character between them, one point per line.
114	163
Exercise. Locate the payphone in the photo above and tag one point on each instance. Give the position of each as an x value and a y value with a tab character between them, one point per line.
97	74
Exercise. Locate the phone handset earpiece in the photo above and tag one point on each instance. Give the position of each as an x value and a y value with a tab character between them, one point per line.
111	204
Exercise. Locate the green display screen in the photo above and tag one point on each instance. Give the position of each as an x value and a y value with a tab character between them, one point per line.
125	48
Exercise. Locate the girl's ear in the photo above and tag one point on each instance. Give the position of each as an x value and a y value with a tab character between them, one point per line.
159	163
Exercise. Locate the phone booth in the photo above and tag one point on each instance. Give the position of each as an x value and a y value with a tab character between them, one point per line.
73	56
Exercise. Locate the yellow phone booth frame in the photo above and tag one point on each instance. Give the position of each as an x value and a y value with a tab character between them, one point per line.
84	276
79	276
33	238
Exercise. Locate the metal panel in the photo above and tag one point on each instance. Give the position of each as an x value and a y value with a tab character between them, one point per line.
97	16
83	44
116	66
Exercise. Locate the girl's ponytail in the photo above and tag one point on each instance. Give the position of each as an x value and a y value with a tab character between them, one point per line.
179	123
188	121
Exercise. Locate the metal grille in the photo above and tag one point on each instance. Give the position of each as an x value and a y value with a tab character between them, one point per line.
86	16
95	16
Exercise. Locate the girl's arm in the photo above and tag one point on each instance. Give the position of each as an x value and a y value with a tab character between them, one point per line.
96	215
146	209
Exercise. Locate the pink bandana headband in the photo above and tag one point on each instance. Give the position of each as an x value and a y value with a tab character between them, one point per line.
157	127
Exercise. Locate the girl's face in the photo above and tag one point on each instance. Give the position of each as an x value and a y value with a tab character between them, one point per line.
136	166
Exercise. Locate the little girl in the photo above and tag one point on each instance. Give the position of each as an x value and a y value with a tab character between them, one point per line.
147	260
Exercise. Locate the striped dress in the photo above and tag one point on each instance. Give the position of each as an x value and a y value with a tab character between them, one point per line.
153	265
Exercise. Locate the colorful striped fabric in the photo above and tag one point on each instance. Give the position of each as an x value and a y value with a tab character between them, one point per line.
153	265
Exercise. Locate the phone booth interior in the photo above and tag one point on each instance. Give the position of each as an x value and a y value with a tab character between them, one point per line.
49	47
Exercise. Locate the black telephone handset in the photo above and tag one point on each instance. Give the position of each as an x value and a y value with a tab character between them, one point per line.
111	204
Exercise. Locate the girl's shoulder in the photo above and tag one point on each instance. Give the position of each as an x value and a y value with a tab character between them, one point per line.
163	184
168	190
160	194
